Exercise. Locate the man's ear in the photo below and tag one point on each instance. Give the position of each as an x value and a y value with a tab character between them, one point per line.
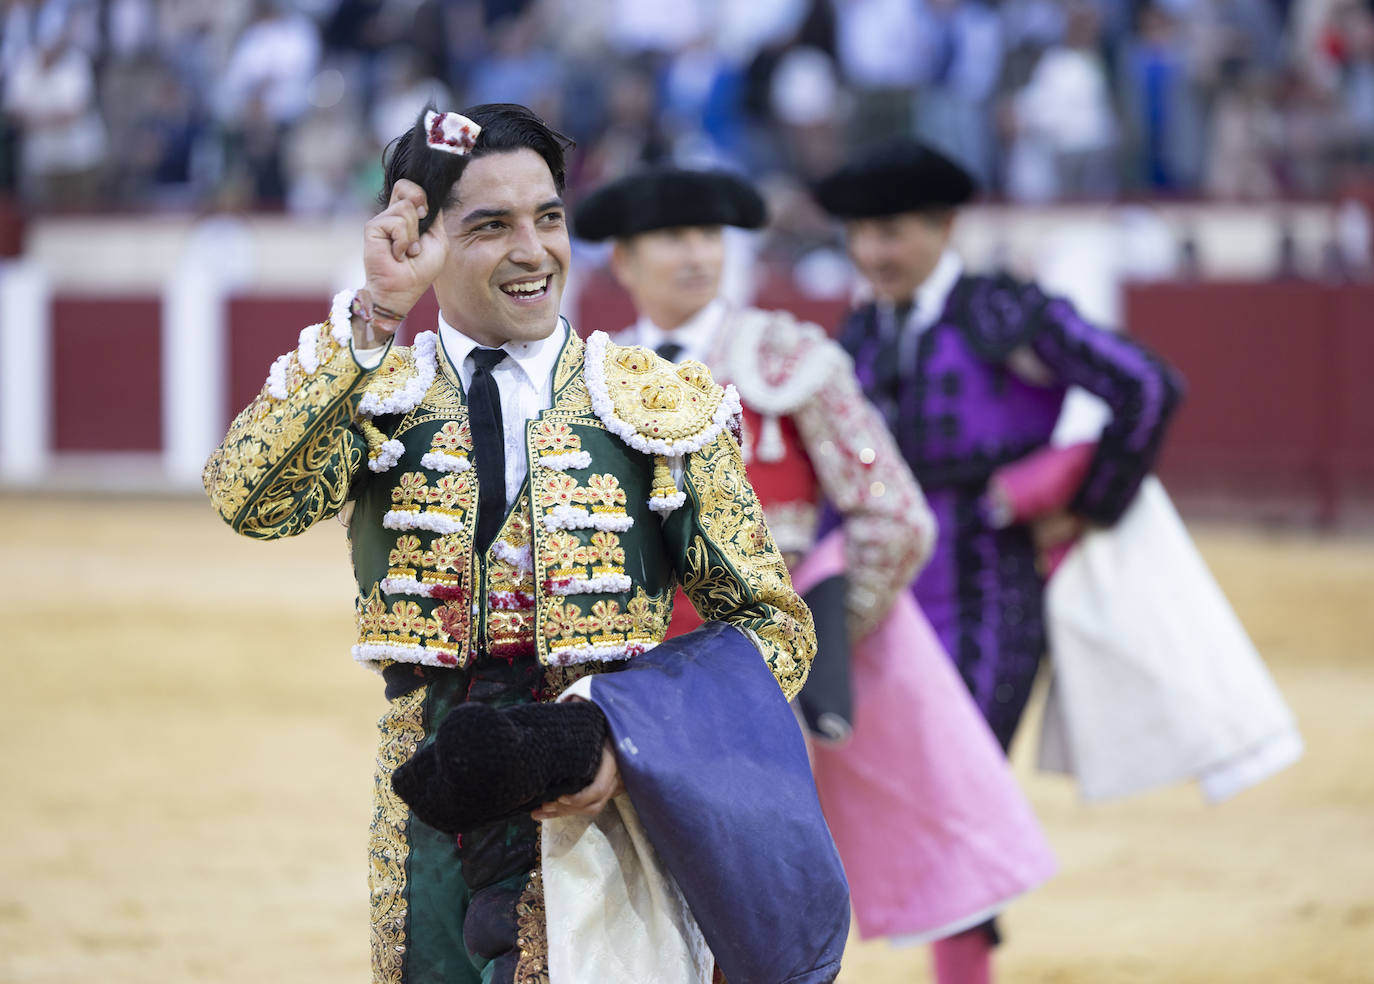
947	225
622	267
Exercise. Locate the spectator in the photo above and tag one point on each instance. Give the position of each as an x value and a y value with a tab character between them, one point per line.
960	63
271	66
875	42
264	91
517	68
1244	132
1162	107
1064	123
1355	85
50	96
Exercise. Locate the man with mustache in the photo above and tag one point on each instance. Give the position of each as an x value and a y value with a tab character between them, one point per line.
521	508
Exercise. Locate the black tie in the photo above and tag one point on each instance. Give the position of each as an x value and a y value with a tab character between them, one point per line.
669	351
488	445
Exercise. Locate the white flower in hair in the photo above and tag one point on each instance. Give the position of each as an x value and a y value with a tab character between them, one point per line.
450	132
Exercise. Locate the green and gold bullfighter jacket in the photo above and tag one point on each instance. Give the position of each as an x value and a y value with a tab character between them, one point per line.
635	485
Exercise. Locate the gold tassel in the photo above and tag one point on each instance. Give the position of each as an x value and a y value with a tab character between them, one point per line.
663	478
374	437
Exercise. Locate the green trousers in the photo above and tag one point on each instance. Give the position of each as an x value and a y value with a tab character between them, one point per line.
449	910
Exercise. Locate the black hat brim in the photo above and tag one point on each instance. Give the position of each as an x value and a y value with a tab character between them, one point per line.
900	176
667	199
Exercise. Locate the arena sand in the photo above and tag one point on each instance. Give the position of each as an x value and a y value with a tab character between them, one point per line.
188	758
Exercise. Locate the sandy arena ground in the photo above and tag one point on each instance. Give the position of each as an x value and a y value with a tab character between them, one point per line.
188	757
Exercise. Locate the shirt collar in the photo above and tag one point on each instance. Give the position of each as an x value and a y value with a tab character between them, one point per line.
934	291
535	359
696	335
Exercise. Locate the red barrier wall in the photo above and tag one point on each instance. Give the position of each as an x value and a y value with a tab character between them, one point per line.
1278	395
107	374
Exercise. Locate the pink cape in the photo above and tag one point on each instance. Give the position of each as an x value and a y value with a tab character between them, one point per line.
934	832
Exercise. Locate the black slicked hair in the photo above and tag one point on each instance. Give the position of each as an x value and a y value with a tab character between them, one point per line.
505	127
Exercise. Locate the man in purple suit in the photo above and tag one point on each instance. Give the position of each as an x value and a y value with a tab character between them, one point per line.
971	373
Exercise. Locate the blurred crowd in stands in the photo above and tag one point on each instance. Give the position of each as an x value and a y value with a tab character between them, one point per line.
286	104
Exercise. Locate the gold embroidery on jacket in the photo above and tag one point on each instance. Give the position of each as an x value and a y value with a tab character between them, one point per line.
286	464
400	732
511	595
733	564
554	437
532	933
454	438
657	398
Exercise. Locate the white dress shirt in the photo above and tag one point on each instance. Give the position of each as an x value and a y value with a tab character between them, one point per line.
525	379
928	303
696	335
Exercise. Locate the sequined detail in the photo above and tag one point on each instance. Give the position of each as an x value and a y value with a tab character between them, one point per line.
532	933
400	731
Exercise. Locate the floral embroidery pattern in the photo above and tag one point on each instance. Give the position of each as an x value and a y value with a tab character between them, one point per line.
450	448
558	447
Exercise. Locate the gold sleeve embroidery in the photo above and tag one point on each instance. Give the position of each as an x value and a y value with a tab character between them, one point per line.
730	567
288	463
889	529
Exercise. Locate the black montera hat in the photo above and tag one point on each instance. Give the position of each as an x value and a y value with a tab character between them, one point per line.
666	199
901	176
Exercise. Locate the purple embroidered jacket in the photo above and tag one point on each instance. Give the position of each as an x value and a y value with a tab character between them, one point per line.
959	411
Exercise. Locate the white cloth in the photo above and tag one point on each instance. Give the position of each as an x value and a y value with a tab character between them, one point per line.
696	335
1154	678
614	913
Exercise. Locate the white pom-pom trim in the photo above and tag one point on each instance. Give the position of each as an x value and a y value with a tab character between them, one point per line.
341	317
428	520
371	653
562	462
308	349
594	371
409	397
572	655
442	461
664	504
308	345
575	518
601	584
276	376
406	586
390	454
521	558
